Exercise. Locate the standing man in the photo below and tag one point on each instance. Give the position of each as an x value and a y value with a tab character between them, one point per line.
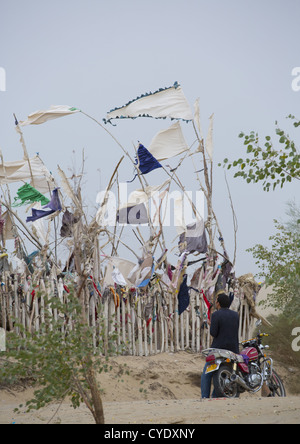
225	331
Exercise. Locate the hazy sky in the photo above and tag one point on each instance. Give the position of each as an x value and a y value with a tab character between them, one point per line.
236	56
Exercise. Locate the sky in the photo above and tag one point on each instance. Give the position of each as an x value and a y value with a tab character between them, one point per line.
236	56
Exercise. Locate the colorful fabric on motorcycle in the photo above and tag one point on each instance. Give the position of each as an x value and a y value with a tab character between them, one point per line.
169	102
145	161
194	239
54	205
246	359
27	195
183	296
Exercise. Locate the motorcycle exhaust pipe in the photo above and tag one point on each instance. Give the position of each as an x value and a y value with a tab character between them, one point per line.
236	379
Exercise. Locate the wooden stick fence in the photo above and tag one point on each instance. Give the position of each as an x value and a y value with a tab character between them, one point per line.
147	324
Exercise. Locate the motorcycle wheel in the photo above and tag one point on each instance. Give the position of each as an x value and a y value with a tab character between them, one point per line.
276	386
224	388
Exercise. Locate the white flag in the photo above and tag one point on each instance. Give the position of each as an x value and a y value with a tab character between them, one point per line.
54	112
168	143
169	102
26	171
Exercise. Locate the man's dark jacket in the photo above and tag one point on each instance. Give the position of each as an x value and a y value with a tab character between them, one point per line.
225	330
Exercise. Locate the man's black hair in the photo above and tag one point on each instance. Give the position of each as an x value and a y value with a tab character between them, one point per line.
224	300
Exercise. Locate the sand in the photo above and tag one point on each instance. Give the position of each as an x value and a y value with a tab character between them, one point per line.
162	389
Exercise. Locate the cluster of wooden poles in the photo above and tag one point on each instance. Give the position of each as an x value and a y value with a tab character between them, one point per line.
145	323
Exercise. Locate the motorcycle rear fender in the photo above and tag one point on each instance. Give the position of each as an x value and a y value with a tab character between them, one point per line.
218	362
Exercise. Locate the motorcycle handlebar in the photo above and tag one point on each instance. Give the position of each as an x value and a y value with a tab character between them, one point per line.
260	335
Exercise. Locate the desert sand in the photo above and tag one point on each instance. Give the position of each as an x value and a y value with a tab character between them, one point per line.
161	389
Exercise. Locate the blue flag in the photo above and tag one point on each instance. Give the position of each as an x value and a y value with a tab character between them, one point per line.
145	161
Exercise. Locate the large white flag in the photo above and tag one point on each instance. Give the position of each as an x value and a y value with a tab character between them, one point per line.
169	102
168	143
54	112
24	170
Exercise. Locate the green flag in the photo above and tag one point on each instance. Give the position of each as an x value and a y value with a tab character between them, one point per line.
27	195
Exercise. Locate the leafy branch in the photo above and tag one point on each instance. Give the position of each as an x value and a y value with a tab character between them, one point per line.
280	267
273	166
62	360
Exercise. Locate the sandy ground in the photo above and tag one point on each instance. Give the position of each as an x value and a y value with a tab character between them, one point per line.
162	389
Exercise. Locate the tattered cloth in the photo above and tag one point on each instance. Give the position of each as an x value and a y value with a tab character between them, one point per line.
123	265
7	231
68	221
141	274
194	240
133	215
145	161
183	296
27	170
27	195
54	206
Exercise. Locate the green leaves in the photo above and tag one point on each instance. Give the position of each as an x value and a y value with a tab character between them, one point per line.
280	266
272	166
59	358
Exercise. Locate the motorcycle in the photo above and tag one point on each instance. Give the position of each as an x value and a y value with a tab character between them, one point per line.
248	372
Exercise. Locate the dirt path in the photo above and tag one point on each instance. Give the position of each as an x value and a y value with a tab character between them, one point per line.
186	411
162	389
